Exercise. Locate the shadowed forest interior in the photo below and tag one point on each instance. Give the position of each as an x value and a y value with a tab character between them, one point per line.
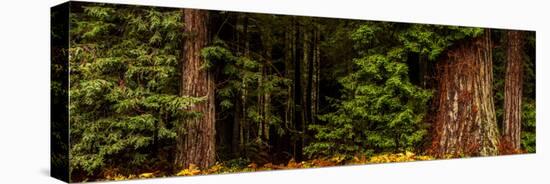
159	91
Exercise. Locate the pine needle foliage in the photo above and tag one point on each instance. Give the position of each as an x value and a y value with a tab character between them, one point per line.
244	82
286	88
380	110
124	98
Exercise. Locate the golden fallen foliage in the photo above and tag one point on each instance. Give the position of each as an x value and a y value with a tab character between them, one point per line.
191	171
336	160
146	175
400	157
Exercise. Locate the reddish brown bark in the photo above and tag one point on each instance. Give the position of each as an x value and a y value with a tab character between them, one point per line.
196	137
465	121
513	86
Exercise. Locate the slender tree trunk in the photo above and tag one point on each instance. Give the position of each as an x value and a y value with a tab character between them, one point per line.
262	106
236	143
287	145
267	94
310	57
465	122
307	77
513	87
288	75
244	123
267	110
316	72
422	70
298	109
196	137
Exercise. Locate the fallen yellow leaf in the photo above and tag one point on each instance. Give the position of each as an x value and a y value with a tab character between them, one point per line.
146	175
191	171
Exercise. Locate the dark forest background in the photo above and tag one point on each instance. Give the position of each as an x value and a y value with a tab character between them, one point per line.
161	91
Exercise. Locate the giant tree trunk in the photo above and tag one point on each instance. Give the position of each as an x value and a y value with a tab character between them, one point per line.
465	122
513	86
196	137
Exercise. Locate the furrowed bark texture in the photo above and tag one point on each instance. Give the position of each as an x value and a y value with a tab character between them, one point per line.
196	137
465	122
513	86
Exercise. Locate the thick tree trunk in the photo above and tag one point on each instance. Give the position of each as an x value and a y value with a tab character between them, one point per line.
196	137
465	122
513	87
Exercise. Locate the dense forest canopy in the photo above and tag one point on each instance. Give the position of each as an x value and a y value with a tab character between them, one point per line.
164	91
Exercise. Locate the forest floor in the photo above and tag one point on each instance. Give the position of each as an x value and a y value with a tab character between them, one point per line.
223	168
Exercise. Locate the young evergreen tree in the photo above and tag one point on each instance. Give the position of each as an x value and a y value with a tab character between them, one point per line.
157	90
380	110
124	99
244	74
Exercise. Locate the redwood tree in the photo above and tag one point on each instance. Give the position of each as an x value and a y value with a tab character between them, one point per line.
465	122
196	137
513	86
